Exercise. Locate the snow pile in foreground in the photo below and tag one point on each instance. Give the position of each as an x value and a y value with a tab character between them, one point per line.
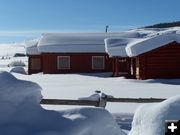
150	119
21	113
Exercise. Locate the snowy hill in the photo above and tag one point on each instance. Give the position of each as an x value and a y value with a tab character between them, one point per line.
165	25
8	50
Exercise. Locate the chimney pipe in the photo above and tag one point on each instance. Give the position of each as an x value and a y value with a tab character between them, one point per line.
106	28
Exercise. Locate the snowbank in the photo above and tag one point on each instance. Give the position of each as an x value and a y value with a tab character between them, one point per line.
18	69
21	113
93	97
150	119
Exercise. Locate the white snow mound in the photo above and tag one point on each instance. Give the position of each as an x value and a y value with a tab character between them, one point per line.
150	119
18	69
21	113
93	97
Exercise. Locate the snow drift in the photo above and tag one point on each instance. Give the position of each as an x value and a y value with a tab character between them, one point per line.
150	119
18	69
21	113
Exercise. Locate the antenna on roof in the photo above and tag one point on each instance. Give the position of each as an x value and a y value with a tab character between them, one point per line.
106	28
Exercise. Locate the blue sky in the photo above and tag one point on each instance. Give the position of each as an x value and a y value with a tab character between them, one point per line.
26	19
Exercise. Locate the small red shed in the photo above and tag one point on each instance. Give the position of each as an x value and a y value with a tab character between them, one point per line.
156	57
162	62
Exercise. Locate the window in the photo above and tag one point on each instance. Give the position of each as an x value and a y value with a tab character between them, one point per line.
97	62
35	63
63	62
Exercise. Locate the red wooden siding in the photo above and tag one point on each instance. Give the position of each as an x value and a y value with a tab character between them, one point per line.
30	59
121	66
79	63
163	62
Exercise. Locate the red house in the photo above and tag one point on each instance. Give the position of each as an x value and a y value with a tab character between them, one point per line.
147	58
69	53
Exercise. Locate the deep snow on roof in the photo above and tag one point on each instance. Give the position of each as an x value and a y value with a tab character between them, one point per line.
31	47
148	44
150	39
77	42
117	46
130	43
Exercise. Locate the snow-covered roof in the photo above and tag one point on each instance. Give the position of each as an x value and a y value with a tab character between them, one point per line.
148	44
77	42
130	43
31	47
135	46
116	46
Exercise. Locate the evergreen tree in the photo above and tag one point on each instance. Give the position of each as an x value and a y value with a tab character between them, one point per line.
164	25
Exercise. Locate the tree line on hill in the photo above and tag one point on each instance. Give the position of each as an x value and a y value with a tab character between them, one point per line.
164	25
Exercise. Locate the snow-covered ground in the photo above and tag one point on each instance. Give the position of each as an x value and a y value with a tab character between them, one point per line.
21	113
73	86
7	51
11	49
18	98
